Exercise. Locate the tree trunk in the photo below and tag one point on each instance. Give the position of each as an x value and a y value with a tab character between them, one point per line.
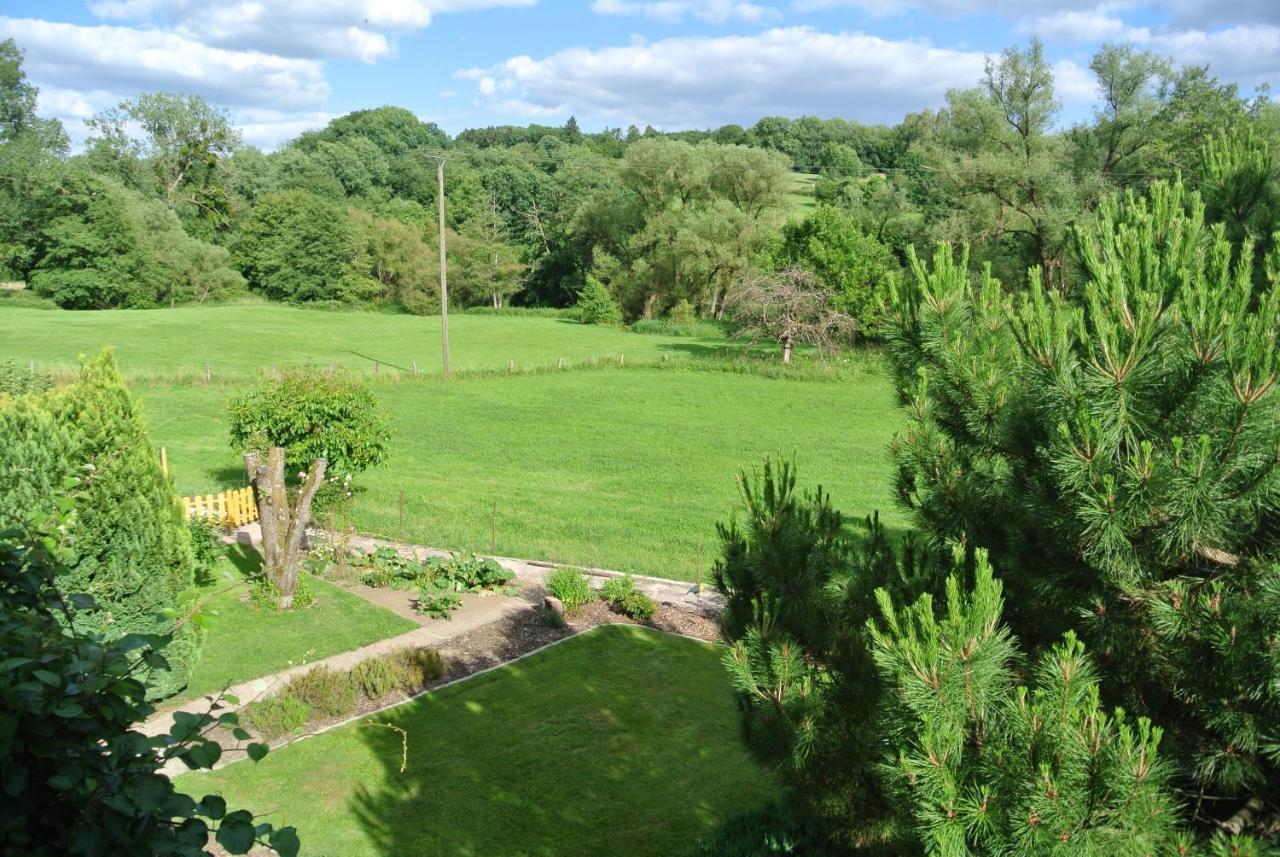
786	350
284	525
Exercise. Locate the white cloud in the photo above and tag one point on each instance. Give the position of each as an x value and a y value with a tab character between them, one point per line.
267	129
689	82
363	30
125	59
714	11
1249	55
1076	25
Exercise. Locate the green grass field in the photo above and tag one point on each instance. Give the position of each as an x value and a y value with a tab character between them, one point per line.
245	641
621	468
622	740
624	468
238	342
799	199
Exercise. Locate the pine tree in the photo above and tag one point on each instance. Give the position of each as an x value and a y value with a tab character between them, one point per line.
987	765
130	549
1118	454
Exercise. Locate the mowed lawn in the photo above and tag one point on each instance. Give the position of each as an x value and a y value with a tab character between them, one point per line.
245	641
239	342
621	468
622	740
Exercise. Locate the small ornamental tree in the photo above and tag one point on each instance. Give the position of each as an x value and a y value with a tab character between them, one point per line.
1118	453
78	778
791	308
311	423
596	306
312	414
130	547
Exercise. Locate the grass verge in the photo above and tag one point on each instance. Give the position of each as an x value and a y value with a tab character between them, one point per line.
621	740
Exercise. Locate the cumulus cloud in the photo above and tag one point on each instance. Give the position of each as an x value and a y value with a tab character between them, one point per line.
268	129
126	59
362	30
683	82
714	11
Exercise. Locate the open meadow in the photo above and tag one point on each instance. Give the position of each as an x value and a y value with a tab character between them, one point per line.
626	468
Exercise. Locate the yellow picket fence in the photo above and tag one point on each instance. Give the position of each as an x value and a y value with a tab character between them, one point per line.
231	508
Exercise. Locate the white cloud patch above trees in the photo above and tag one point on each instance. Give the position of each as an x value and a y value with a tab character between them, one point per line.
713	11
707	81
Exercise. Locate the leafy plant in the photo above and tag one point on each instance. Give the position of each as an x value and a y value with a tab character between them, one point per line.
266	595
437	604
638	606
276	715
206	547
376	677
328	692
18	380
616	589
79	777
571	586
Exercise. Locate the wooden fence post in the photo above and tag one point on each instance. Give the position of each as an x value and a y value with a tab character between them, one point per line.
164	462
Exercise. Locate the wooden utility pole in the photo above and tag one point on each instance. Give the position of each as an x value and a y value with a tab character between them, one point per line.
444	280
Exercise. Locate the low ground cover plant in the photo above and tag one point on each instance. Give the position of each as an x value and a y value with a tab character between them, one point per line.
438	581
571	586
276	716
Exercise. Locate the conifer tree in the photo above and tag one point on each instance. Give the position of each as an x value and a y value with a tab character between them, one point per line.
1119	456
130	549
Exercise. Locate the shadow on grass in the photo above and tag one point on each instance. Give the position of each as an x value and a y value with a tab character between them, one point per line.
246	560
610	743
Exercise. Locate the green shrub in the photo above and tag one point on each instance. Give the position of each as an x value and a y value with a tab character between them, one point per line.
132	548
618	588
376	677
18	380
773	830
570	585
639	606
595	304
415	666
206	547
276	716
328	692
526	311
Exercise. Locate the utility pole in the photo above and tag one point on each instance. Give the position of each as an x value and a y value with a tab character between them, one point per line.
444	279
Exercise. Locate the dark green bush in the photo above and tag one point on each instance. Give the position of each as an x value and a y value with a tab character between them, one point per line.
328	692
415	667
128	542
206	547
276	716
773	830
376	677
595	304
571	586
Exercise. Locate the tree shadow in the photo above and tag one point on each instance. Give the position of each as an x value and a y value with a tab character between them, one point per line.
568	752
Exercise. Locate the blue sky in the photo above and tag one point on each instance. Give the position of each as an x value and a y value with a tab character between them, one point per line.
281	66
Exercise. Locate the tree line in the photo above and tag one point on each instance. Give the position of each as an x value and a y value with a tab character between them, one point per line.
164	204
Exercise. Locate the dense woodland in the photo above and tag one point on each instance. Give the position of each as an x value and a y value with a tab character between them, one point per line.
164	204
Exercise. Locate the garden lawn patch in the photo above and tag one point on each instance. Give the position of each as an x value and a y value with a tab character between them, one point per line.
245	641
618	468
237	343
620	740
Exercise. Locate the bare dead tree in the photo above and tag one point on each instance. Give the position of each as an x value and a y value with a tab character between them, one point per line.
788	307
284	524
